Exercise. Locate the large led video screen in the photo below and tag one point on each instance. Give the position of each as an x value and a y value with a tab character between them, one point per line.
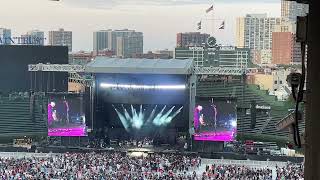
145	119
215	119
66	116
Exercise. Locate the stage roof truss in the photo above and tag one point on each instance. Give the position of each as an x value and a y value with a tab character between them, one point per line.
75	70
219	71
140	66
56	67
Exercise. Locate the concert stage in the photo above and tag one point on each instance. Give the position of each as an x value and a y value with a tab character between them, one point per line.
136	99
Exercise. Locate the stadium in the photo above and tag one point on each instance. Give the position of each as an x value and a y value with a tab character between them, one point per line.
208	118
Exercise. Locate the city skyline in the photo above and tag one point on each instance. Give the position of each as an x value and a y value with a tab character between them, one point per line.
159	20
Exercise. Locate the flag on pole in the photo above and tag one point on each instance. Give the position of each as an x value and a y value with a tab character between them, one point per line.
209	9
222	25
199	25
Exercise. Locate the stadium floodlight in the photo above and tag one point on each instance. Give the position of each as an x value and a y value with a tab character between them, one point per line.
134	86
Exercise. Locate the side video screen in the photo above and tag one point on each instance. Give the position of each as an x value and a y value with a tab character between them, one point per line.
66	116
215	119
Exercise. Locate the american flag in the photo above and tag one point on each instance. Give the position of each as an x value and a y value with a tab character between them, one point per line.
222	25
209	9
199	25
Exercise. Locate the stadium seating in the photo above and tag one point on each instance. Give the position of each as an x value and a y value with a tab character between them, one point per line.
16	120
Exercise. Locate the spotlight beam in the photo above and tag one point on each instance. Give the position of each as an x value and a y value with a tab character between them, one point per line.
126	114
137	118
176	113
152	114
122	119
156	120
164	119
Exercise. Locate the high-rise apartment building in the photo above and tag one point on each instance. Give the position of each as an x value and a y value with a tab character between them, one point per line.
286	26
283	44
289	12
101	40
126	43
123	43
61	38
130	45
191	39
255	32
291	9
33	37
282	47
5	36
240	31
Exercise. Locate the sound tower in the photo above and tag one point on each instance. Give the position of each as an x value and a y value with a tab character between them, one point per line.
253	112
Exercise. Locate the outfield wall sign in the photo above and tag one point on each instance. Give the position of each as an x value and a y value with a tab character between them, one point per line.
22	40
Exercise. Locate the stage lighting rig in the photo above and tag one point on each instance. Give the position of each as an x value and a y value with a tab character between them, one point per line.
146	87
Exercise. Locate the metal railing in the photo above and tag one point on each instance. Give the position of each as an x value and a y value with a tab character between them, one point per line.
244	162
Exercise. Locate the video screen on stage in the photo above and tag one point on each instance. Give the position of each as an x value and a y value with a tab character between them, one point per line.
66	116
145	119
215	119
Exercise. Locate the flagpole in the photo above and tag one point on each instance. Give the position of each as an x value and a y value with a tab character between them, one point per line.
213	28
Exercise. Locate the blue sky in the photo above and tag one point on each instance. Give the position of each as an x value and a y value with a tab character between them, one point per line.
159	20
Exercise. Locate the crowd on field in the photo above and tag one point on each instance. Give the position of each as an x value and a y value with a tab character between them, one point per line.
122	166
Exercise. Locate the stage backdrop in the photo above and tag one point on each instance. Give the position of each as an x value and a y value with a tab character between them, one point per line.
132	113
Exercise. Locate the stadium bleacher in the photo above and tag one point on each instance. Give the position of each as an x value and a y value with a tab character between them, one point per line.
16	120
